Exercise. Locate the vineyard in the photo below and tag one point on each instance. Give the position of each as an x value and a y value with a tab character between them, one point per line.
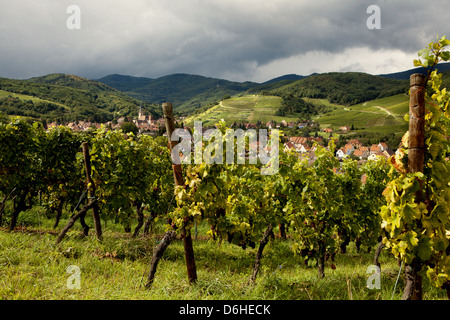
328	220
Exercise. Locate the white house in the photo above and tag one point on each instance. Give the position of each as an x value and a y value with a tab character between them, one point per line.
376	156
342	153
383	146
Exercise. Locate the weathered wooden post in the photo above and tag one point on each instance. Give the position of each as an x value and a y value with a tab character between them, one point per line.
91	190
170	235
416	147
170	128
179	181
92	203
416	157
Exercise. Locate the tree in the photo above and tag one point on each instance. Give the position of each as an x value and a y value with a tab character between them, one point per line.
129	127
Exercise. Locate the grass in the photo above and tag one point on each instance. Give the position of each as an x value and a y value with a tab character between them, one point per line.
381	115
32	266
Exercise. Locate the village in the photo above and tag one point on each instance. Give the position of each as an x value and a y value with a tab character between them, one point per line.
303	146
144	123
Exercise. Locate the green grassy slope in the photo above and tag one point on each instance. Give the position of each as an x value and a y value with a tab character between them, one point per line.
33	267
380	115
383	115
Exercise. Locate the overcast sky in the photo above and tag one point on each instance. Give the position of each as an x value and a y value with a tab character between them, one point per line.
237	40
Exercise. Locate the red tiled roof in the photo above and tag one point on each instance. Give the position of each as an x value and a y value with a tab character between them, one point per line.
375	148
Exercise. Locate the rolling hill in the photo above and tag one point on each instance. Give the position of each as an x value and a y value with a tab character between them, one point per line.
186	92
404	75
373	104
246	108
384	115
329	98
347	88
190	92
287	77
67	98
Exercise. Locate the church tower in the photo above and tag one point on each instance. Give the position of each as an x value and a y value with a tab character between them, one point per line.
147	119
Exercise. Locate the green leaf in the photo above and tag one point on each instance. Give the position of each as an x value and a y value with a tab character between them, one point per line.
441	212
444	42
424	249
409	212
446	54
406	117
410	238
423	52
205	188
418	63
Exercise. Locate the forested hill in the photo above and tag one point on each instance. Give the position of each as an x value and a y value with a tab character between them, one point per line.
69	97
191	92
404	75
63	97
185	91
73	81
347	88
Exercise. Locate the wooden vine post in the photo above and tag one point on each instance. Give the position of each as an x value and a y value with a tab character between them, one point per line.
416	147
92	203
416	157
179	181
169	236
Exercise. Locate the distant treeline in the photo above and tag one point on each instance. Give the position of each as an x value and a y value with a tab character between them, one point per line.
292	104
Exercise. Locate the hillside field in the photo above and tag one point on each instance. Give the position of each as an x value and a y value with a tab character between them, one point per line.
246	108
383	115
380	115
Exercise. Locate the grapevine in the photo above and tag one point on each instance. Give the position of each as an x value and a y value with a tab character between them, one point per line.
419	229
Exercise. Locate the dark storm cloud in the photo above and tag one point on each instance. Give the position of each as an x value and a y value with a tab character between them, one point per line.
242	40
